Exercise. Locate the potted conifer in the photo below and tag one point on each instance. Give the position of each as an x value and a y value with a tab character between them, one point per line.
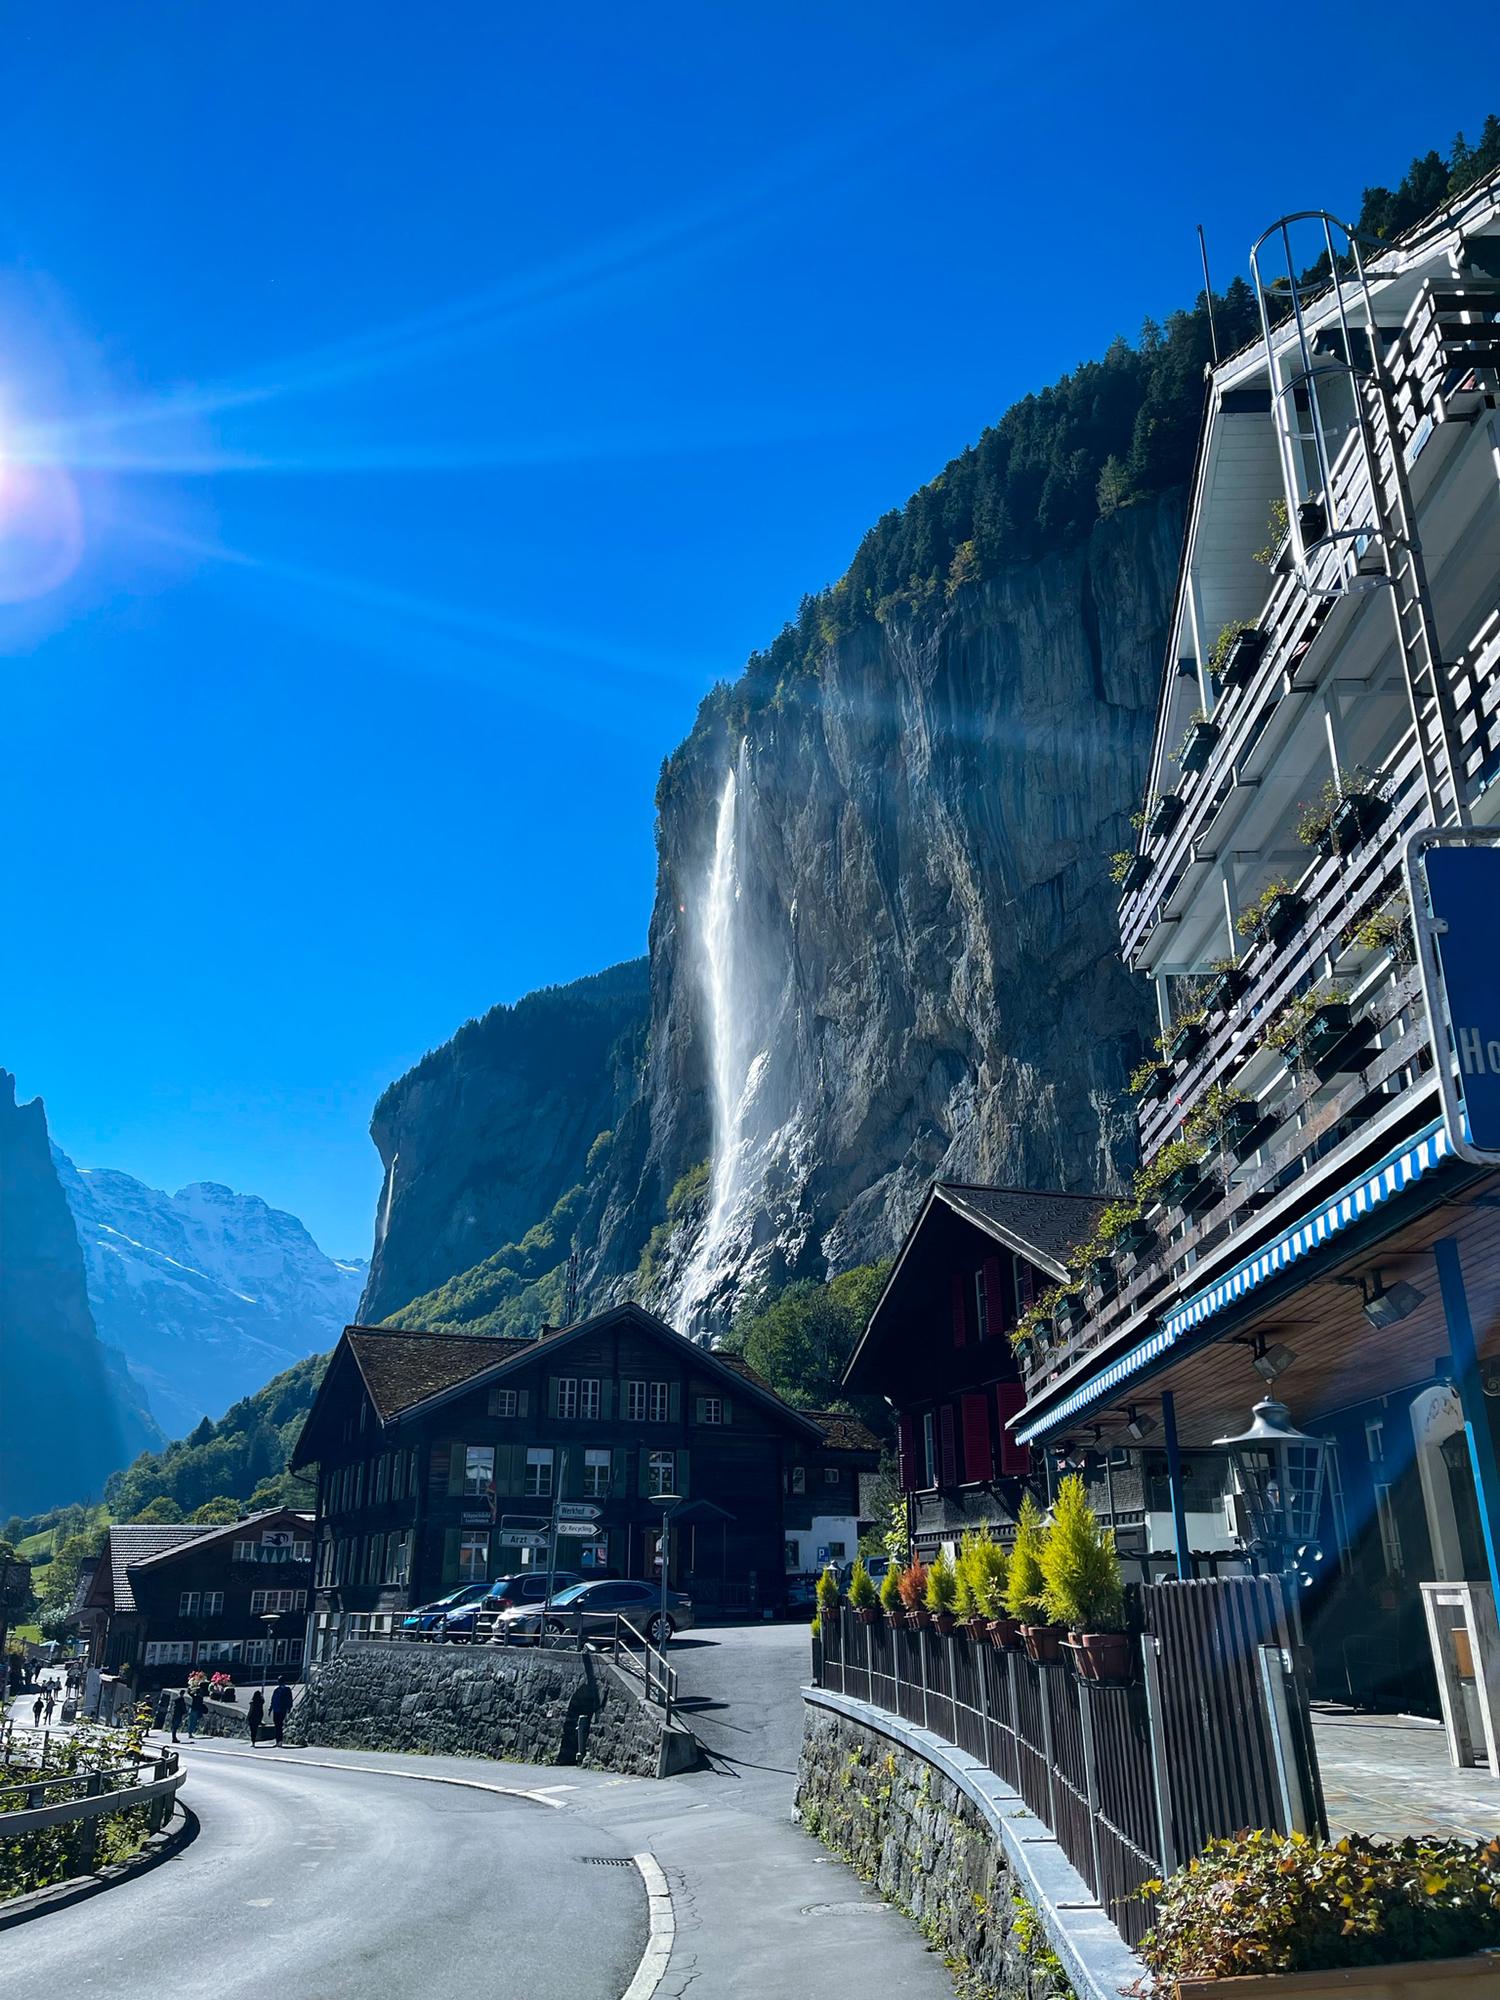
914	1592
890	1597
829	1599
942	1592
862	1594
1026	1588
991	1565
1083	1587
971	1613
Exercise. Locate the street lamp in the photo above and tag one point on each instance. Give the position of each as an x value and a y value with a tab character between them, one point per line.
270	1619
669	1503
1278	1473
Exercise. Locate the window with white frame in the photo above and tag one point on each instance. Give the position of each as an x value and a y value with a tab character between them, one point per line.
473	1558
660	1402
301	1552
382	1477
502	1402
187	1604
479	1469
595	1474
395	1558
538	1470
981	1304
359	1485
567	1395
929	1448
262	1601
374	1558
213	1603
398	1475
221	1650
793	1555
661	1471
711	1409
635	1402
830	1475
588	1397
799	1478
169	1652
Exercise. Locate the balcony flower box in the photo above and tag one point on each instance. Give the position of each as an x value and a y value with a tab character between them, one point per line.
1186	1041
1242	1129
1136	1237
1189	1189
1068	1313
1329	1042
1197	745
1103	1276
1155	1085
1229	982
1164	816
1243	657
1281	916
1355	818
1137	874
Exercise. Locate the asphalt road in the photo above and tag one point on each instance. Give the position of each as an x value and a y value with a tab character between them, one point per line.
739	1691
309	1884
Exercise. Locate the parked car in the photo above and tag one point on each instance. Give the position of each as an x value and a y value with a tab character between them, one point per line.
598	1603
876	1565
801	1592
425	1620
527	1586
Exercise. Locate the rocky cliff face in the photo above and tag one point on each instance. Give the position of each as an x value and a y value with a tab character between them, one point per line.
884	942
481	1139
883	949
206	1292
68	1414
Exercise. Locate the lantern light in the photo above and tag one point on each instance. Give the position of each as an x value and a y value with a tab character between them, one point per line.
1278	1473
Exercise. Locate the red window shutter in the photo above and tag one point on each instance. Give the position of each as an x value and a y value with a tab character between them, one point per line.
1015	1458
994	1302
1025	1285
979	1459
949	1445
960	1319
906	1452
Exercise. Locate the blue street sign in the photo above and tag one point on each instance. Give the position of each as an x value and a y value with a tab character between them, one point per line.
1457	926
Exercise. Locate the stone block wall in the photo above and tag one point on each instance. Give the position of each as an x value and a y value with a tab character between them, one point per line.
916	1837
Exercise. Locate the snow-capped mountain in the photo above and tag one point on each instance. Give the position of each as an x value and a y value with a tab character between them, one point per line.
207	1292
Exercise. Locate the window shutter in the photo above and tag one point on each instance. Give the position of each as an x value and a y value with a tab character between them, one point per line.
619	1471
1025	1286
960	1321
606	1399
726	1413
674	1403
906	1452
979	1459
1015	1458
455	1468
948	1445
682	1474
551	1395
450	1556
698	1403
643	1472
572	1486
994	1302
523	1402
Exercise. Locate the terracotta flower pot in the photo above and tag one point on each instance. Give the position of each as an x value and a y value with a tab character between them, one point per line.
1043	1643
1005	1633
896	1614
977	1628
945	1621
1106	1657
868	1613
923	1617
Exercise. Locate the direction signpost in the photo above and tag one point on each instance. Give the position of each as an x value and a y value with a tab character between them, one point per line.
584	1530
522	1538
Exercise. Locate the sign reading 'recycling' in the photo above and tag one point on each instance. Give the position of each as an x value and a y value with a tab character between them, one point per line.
1454	880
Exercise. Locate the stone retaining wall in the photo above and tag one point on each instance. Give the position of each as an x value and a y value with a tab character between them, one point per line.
536	1706
951	1847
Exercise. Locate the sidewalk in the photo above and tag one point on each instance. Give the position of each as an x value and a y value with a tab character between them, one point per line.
760	1907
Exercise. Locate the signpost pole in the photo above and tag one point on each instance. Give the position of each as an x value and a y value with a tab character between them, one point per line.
562	1474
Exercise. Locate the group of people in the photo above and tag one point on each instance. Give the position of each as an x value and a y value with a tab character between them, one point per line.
43	1707
192	1706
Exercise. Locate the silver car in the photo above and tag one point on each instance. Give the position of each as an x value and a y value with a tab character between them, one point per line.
593	1608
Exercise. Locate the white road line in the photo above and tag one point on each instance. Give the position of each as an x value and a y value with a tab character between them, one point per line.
663	1931
537	1798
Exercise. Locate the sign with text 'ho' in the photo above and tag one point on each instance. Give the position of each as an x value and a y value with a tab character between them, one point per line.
1453	879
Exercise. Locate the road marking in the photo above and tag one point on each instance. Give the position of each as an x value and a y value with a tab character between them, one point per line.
663	1931
259	1902
537	1798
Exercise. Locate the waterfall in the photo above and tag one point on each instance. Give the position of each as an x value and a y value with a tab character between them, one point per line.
733	1068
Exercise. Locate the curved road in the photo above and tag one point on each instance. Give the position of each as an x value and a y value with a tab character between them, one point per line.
316	1884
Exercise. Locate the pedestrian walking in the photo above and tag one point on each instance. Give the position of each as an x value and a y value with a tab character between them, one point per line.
36	1711
255	1715
281	1707
197	1709
50	1703
179	1711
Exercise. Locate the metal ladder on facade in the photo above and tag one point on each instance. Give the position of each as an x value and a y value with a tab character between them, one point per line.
1344	472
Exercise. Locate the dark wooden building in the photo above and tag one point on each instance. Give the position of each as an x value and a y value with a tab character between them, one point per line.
166	1598
431	1446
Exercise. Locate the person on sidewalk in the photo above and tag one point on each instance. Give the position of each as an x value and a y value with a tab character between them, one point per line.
281	1707
36	1712
50	1703
255	1715
179	1711
197	1709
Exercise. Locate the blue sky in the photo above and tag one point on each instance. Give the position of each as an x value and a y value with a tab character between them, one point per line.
406	414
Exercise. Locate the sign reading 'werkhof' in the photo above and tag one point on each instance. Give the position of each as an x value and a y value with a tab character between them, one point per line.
1454	881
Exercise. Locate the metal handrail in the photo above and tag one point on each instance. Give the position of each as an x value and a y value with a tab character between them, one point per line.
157	1793
660	1680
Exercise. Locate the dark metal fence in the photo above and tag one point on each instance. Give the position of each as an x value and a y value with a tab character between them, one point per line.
1211	1736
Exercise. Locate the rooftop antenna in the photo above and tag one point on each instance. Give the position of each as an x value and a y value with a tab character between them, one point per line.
1208	291
570	1301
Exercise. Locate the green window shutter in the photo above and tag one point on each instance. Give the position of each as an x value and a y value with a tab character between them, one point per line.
643	1472
572	1485
551	1395
674	1403
698	1403
682	1474
523	1402
455	1469
606	1399
450	1558
726	1411
619	1471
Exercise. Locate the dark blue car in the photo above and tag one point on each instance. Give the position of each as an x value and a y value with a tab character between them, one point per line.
427	1618
527	1586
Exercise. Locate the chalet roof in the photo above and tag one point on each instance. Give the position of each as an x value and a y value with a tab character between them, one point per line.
1045	1224
842	1432
227	1531
133	1543
402	1368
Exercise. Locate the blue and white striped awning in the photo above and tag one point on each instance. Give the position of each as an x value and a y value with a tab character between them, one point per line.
1396	1172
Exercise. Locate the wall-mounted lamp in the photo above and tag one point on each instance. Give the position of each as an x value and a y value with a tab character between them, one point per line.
1139	1423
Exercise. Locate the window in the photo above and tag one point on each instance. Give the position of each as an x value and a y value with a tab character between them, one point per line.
395	1558
538	1470
187	1604
244	1552
1375	1439
213	1603
473	1558
595	1474
710	1410
635	1402
836	1551
502	1402
218	1649
659	1402
302	1552
799	1478
374	1558
661	1471
1390	1533
929	1449
169	1652
262	1601
793	1556
595	1556
479	1469
588	1398
383	1476
567	1396
830	1475
398	1475
359	1485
